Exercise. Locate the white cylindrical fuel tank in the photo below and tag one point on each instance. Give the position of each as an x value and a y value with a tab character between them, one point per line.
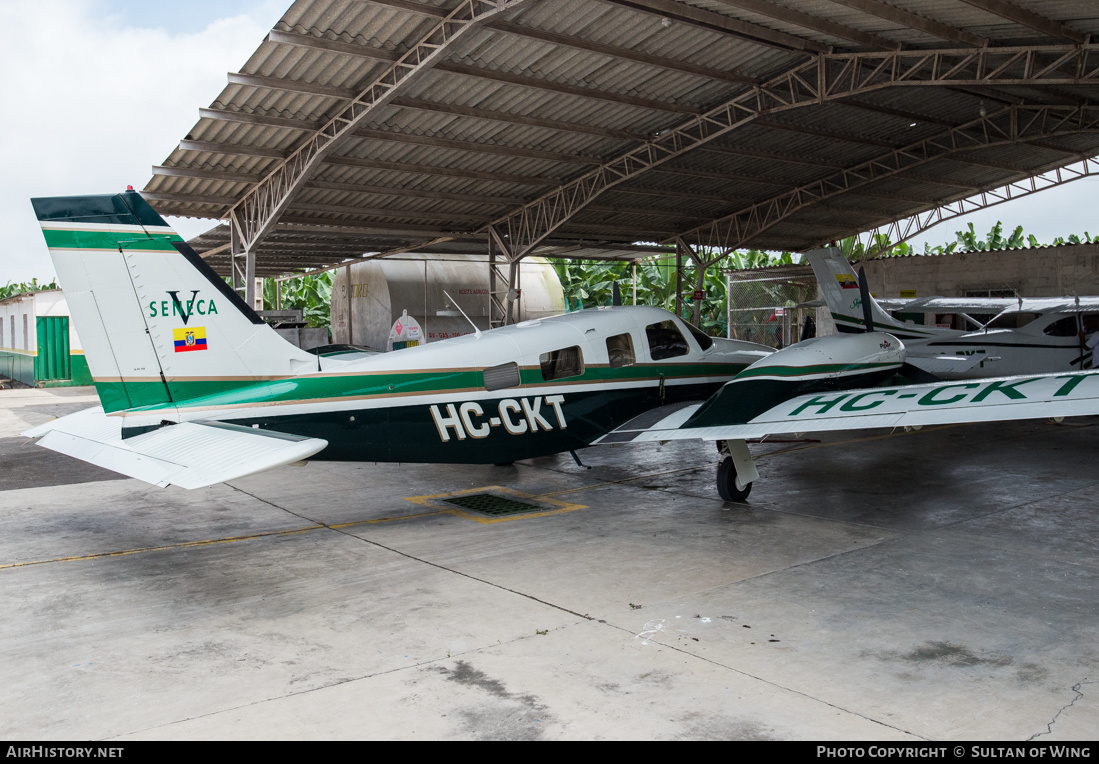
379	291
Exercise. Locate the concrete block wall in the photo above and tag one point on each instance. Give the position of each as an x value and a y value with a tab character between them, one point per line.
1044	272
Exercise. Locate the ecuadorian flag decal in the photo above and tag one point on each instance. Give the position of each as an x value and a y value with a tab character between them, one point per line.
847	281
189	338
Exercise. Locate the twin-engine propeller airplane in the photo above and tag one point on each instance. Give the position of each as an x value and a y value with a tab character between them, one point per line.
196	389
1024	336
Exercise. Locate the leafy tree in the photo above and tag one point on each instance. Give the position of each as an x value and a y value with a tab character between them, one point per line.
994	240
11	289
312	294
590	284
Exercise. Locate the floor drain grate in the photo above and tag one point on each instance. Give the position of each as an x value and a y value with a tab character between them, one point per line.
493	505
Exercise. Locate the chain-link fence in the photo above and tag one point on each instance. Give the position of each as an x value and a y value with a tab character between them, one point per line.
763	304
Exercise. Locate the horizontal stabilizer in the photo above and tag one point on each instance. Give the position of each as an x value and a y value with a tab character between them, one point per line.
190	454
987	400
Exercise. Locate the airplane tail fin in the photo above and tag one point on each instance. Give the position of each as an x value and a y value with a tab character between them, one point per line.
158	325
840	287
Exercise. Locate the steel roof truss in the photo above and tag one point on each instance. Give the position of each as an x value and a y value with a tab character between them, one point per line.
825	78
259	210
899	231
1008	125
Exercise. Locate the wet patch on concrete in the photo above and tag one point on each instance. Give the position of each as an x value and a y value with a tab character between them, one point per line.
1031	672
511	717
949	654
711	727
657	678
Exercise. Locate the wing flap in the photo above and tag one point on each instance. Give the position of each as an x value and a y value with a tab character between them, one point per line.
190	454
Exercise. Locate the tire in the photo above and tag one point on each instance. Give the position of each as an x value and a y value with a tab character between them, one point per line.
502	464
726	482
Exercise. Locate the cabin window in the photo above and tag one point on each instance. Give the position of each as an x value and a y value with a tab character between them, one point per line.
704	340
502	377
1013	320
1065	327
558	364
665	341
620	350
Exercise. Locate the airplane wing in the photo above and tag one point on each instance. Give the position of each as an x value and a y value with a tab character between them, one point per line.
1023	397
988	304
949	304
189	454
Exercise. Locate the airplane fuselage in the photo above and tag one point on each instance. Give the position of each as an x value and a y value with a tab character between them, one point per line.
1002	352
536	388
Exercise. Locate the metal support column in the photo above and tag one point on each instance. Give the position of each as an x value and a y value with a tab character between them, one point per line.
250	279
236	252
700	276
504	288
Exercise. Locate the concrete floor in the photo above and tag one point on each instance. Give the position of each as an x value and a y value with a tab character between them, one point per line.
938	585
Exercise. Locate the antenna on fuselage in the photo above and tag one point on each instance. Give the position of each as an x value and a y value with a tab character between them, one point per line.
864	297
476	331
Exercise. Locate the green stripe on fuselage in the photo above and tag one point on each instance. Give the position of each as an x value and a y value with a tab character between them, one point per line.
810	371
382	384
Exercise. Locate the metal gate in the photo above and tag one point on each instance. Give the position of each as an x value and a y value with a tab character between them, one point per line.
763	303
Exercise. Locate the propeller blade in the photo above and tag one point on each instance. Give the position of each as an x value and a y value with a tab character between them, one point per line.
864	297
616	295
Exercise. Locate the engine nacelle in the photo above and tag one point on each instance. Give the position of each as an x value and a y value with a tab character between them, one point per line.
837	355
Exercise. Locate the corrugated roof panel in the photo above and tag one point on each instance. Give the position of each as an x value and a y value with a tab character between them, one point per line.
485	122
813	28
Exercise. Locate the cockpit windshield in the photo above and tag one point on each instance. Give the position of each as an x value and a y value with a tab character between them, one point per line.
704	340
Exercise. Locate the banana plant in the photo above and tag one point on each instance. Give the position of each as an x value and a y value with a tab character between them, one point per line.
10	289
311	294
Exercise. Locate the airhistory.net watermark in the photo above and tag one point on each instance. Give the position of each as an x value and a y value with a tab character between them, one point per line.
58	752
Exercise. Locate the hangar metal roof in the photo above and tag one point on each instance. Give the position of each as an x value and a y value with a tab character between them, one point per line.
374	126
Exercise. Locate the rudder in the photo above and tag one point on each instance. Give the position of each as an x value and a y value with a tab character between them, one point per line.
158	325
840	287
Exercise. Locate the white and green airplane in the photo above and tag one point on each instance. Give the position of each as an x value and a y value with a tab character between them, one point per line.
1024	336
196	389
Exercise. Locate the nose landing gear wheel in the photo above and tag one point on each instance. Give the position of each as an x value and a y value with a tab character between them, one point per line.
726	482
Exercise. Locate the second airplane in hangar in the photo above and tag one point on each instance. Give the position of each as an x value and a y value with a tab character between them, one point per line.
1024	336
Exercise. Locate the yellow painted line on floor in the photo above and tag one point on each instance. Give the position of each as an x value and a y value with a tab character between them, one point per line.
456	512
181	545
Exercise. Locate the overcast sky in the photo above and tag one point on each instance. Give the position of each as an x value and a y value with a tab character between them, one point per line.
95	93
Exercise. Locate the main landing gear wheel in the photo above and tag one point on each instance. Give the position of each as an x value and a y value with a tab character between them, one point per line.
726	482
